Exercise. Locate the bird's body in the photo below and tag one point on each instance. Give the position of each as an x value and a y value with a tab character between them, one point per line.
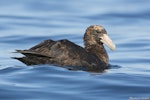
67	53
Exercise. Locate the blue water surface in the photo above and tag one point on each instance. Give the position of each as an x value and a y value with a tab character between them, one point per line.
25	23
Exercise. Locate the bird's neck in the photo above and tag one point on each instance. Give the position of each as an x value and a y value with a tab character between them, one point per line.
99	51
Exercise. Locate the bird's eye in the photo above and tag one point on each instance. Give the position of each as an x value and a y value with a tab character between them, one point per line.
98	31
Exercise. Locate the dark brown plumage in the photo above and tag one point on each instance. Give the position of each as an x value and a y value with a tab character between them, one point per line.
66	53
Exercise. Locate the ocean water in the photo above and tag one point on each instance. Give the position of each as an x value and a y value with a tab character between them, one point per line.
25	23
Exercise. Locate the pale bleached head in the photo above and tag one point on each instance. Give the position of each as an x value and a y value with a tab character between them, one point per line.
96	34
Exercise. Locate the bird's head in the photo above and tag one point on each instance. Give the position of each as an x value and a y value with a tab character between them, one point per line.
96	34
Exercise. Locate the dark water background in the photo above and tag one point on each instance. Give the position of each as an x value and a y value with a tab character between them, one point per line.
24	23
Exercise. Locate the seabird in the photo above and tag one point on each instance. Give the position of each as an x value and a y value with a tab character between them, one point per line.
93	57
